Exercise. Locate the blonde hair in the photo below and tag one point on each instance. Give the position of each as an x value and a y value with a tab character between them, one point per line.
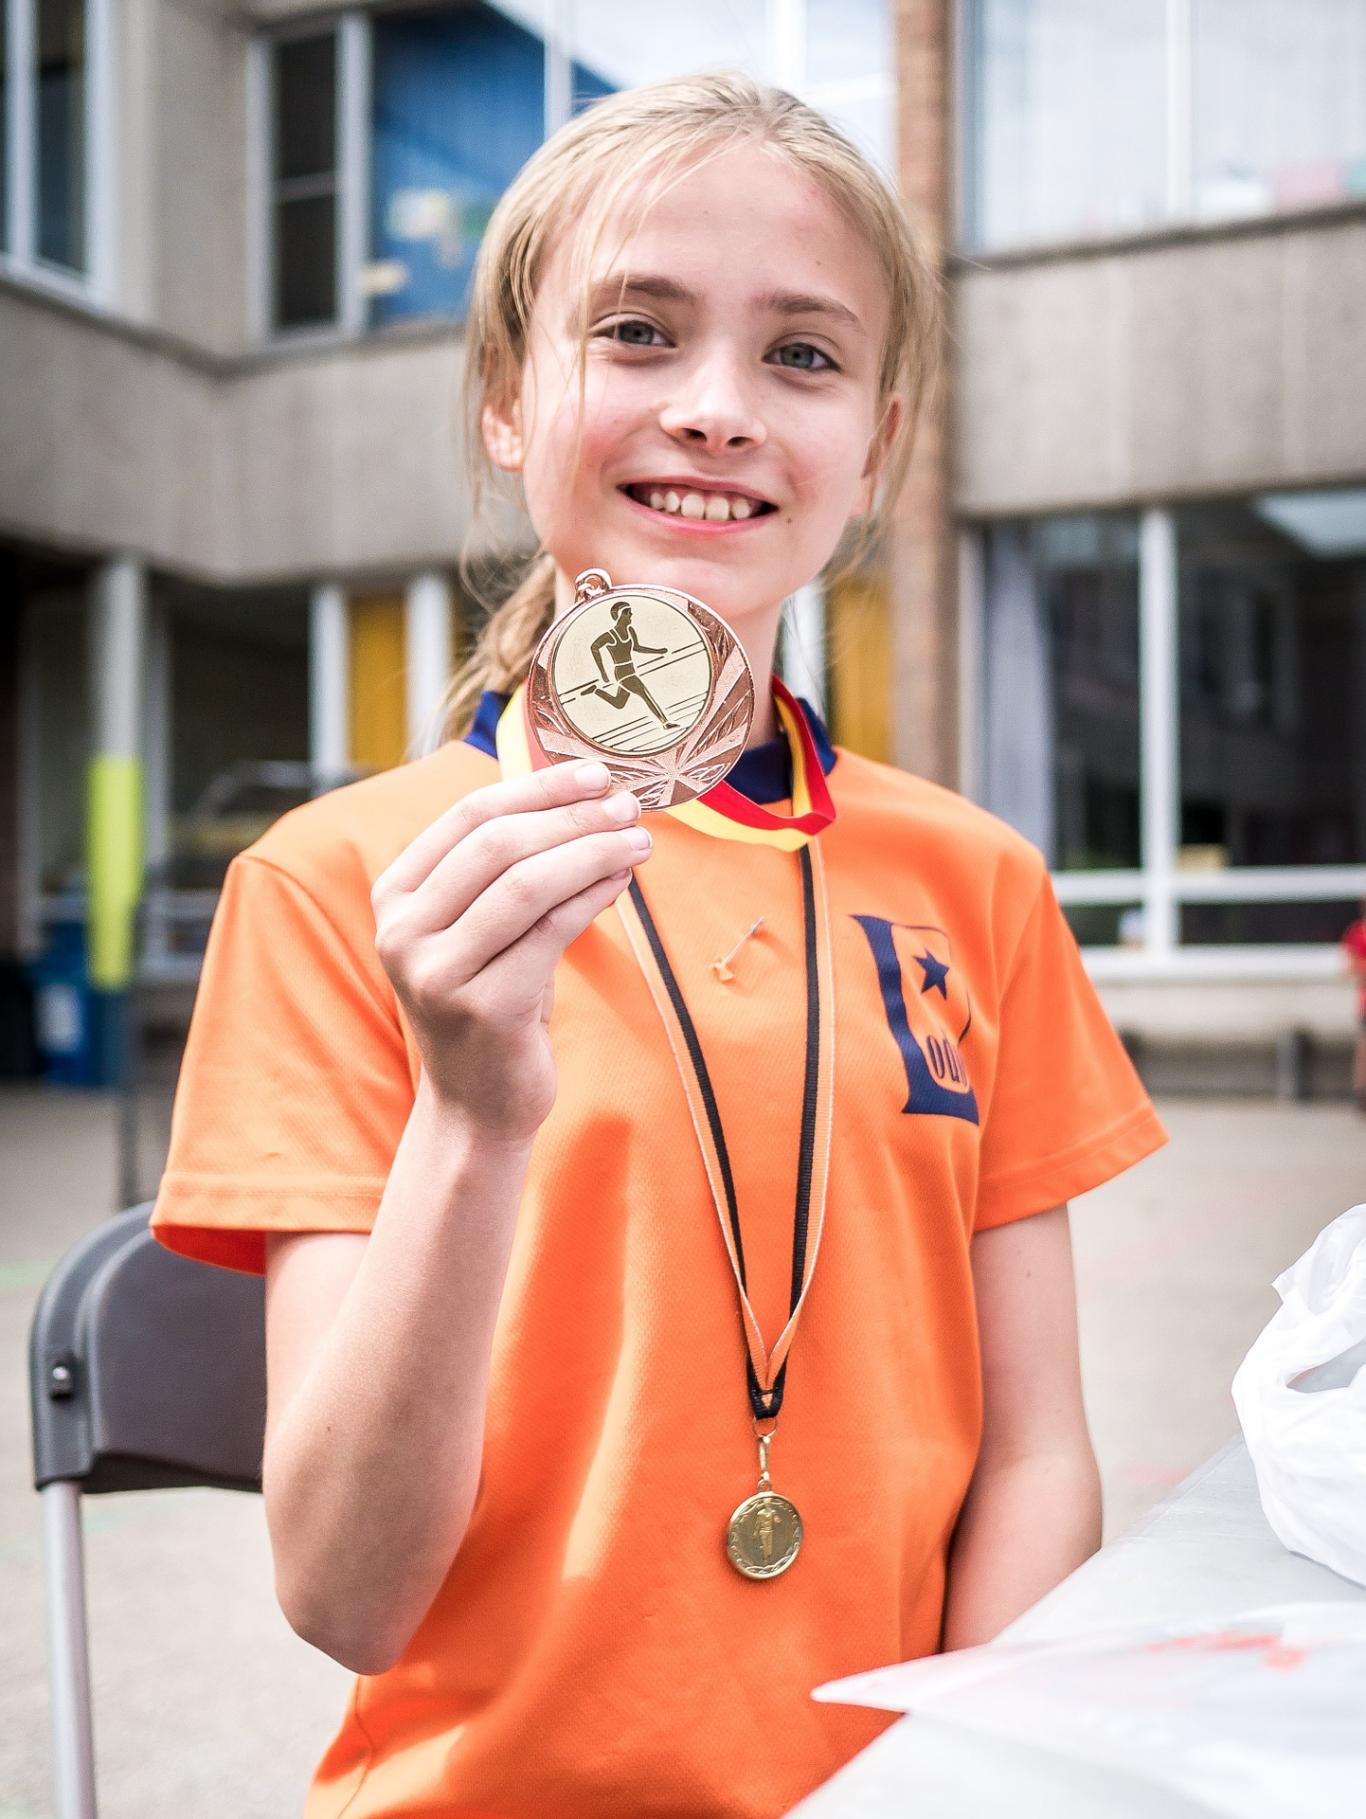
625	149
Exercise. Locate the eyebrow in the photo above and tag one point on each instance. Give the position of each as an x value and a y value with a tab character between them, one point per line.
669	290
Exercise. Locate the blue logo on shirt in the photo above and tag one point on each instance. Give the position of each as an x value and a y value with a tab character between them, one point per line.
929	1014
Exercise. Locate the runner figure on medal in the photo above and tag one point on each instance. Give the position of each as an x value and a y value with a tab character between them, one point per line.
621	645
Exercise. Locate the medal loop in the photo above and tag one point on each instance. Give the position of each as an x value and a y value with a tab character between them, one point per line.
591	585
765	1441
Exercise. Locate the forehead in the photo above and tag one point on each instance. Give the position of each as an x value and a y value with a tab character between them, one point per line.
743	222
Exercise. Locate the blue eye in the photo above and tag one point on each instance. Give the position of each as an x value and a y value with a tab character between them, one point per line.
805	357
632	331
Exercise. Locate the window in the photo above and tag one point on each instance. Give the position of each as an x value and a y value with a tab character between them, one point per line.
6	86
1065	118
393	134
1272	652
304	182
52	80
1091	117
1175	712
1279	105
1061	687
61	114
458	107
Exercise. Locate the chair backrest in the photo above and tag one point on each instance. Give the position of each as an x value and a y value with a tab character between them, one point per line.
146	1370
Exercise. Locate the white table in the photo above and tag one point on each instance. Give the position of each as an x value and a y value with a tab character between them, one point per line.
1205	1551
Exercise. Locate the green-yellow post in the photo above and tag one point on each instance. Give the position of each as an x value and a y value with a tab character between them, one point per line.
114	837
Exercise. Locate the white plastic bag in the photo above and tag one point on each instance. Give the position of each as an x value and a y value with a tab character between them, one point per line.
1301	1398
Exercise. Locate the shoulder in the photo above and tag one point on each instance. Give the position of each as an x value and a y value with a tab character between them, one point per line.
335	846
905	819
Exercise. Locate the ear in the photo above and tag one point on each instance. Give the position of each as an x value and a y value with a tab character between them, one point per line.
501	427
884	438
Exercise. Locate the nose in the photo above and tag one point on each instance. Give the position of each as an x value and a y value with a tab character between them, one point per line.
713	407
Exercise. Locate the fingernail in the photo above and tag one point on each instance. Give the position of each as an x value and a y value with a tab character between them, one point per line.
593	776
622	807
640	840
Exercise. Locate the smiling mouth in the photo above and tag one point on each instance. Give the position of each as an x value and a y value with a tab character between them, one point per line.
685	502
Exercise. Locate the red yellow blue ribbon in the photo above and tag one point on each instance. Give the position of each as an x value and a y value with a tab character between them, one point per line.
722	812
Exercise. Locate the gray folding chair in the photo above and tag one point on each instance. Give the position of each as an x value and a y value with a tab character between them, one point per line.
146	1371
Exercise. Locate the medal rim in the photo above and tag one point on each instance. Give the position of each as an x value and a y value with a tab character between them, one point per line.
542	693
788	1559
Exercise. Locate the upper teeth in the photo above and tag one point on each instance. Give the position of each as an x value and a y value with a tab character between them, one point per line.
716	507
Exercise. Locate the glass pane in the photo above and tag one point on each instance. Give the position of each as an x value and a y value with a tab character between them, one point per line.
60	40
305	107
624	43
1260	924
1279	104
1061	687
1106	924
1273	681
459	106
4	125
306	262
1066	118
849	72
239	677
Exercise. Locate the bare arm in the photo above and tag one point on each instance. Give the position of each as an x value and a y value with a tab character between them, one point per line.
378	1346
1033	1511
378	1357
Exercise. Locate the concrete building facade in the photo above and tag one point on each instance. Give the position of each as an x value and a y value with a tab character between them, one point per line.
1125	599
1150	459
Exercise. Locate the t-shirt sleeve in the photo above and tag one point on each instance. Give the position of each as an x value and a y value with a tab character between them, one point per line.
1067	1110
295	1085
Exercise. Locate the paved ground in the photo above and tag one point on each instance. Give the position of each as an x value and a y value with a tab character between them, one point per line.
208	1707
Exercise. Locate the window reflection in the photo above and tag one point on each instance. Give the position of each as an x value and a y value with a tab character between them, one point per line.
1066	118
1279	97
1061	687
1273	681
60	131
304	134
459	103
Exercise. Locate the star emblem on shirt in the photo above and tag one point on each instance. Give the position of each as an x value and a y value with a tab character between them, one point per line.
935	971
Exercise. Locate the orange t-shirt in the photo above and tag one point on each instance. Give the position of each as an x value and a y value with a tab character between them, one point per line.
591	1651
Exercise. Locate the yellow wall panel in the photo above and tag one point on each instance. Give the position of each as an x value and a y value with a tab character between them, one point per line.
859	639
378	686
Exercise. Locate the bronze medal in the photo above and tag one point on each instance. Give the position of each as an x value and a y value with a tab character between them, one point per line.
646	679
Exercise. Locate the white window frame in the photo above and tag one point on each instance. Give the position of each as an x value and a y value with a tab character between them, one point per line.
351	114
1158	885
20	258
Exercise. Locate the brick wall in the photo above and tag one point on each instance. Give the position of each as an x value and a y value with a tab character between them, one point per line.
923	543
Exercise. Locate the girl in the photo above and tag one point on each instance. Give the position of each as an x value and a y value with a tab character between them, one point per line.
586	1163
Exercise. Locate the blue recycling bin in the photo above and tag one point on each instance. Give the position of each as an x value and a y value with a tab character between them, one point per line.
62	1004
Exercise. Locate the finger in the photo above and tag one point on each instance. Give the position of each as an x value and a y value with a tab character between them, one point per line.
485	854
529	964
533	888
548	788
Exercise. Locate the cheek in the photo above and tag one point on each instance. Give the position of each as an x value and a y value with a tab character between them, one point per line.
574	438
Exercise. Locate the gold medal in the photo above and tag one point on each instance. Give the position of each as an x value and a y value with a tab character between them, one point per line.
764	1534
647	679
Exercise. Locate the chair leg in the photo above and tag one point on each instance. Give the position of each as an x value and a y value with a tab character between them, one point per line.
73	1743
